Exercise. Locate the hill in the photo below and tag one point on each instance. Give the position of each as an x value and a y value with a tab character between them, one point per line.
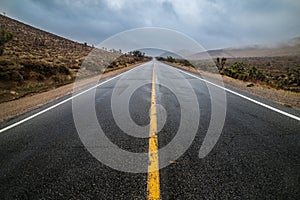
286	48
33	60
276	66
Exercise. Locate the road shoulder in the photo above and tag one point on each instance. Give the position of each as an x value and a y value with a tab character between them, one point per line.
285	98
20	106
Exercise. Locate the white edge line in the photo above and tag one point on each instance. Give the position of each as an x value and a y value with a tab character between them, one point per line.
64	101
243	96
74	96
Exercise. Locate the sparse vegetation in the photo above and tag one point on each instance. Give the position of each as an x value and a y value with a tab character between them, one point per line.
170	59
33	60
277	72
5	36
127	59
220	63
287	78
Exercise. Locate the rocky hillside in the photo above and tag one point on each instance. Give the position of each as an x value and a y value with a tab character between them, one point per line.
32	60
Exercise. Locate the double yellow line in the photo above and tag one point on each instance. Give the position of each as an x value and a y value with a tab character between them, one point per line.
153	185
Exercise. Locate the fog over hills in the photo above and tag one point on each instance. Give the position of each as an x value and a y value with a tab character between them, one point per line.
285	48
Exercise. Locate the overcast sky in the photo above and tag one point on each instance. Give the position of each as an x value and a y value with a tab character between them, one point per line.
213	23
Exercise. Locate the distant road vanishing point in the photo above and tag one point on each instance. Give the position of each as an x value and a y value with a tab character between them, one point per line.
256	156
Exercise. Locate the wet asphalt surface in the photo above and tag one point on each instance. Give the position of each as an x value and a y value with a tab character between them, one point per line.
256	157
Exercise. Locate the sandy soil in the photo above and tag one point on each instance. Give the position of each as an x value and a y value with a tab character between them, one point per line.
16	107
286	98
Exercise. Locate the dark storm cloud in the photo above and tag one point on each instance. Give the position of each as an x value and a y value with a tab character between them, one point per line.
213	23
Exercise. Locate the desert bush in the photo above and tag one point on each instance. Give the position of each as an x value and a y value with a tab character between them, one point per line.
6	61
39	42
16	76
170	59
183	62
135	53
242	77
220	63
296	72
41	77
11	75
63	70
4	76
235	70
56	79
242	72
252	72
260	76
127	59
5	36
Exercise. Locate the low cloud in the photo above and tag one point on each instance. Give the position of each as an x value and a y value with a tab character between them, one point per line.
213	23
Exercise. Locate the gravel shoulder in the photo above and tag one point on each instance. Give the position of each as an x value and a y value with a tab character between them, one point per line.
17	107
286	98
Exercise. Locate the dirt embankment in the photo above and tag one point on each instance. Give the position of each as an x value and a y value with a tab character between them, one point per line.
37	66
33	60
16	107
286	98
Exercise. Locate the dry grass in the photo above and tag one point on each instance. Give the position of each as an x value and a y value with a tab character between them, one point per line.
281	72
286	98
35	61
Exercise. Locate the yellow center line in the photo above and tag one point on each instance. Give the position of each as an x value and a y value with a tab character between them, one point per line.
153	185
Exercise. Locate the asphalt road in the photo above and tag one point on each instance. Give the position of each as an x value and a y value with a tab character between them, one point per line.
257	155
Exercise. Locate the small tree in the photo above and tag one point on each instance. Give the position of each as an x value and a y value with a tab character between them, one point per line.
170	59
137	53
297	75
39	41
253	72
218	62
223	61
5	36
